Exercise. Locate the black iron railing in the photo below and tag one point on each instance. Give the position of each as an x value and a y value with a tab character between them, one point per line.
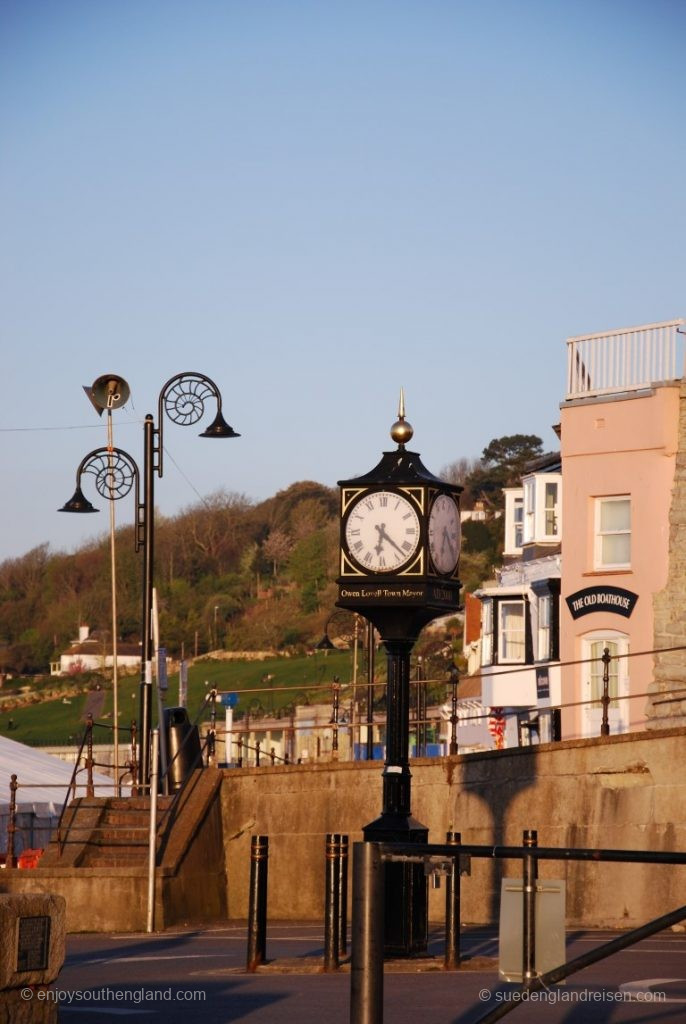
366	992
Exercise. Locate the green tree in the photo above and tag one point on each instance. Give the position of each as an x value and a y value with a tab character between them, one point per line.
503	462
32	652
307	566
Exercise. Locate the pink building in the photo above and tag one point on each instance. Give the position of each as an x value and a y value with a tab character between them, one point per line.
619	444
588	612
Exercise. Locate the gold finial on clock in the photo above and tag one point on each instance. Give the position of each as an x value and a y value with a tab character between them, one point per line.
401	431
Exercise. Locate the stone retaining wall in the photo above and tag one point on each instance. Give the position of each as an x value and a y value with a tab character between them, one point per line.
626	792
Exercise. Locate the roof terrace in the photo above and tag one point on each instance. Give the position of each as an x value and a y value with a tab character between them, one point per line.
627	359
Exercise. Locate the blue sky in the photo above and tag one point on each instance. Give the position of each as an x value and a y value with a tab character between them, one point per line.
316	203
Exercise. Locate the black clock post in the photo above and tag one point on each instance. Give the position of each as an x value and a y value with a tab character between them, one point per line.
399	557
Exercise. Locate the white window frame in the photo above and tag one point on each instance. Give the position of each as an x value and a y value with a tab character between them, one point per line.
487	631
529	525
518	522
554	510
505	637
545	627
514	519
599	535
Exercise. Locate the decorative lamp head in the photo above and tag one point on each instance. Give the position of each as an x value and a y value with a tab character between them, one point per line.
78	503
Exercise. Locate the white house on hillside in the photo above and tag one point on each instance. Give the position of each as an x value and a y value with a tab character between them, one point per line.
92	653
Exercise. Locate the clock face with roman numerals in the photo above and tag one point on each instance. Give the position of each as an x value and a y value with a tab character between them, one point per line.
382	531
444	533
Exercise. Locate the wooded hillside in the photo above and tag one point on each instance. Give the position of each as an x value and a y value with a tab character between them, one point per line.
227	553
230	573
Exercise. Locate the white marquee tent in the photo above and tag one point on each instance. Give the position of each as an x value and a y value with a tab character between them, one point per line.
43	781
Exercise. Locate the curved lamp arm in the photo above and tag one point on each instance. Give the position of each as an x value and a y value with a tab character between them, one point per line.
183	399
116	473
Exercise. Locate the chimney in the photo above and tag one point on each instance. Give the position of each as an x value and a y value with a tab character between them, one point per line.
83	633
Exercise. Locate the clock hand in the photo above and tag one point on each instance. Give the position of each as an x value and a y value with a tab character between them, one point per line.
381	530
452	548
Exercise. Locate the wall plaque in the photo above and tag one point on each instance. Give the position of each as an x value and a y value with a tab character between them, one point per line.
542	683
33	943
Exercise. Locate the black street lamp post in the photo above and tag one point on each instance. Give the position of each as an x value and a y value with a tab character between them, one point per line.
182	399
606	658
370	691
454	680
336	694
420	710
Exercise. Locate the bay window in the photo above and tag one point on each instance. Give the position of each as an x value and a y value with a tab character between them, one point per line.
511	631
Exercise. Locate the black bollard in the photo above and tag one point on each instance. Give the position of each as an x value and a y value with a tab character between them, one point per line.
134	760
10	858
343	896
332	902
452	908
257	912
90	791
529	875
367	939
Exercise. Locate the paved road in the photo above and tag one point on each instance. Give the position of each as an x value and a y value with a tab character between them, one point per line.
198	975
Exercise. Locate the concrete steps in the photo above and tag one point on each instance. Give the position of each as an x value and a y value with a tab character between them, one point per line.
122	836
107	832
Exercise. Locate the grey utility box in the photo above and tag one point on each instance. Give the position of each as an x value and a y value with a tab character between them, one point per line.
550	926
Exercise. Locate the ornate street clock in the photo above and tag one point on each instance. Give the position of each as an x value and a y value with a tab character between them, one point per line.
399	562
400	540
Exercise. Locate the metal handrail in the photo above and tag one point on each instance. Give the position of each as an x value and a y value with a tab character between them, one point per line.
368	912
71	789
87	740
257	749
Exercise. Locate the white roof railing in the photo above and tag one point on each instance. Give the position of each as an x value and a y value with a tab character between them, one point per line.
627	359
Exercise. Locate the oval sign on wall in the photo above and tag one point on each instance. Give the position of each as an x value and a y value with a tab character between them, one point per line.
601	599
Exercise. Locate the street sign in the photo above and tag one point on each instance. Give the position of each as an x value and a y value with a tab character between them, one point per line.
183	684
229	700
549	942
162	680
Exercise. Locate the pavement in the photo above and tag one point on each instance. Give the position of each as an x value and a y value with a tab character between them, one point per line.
198	974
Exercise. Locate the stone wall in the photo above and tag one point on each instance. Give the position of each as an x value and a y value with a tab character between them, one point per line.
626	792
667	701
